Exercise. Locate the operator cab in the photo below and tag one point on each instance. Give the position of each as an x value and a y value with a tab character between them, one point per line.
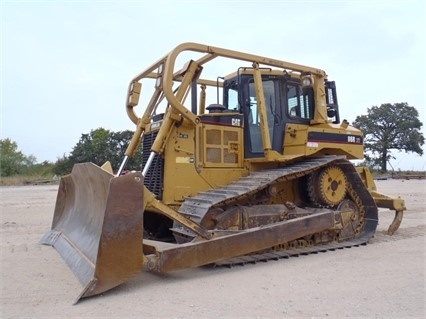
285	101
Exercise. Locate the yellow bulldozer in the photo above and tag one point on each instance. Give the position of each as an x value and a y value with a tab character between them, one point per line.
245	159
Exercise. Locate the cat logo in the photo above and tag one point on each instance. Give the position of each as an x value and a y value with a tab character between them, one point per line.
236	122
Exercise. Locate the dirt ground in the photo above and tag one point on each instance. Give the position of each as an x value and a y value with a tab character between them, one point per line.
383	279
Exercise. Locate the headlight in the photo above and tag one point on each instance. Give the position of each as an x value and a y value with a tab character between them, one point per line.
307	80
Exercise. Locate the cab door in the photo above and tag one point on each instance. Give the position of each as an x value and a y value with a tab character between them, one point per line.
272	88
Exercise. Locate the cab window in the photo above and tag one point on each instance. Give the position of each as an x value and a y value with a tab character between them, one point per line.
299	103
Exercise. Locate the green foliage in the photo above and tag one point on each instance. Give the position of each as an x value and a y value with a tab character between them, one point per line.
62	166
12	161
44	169
120	141
99	146
390	127
93	147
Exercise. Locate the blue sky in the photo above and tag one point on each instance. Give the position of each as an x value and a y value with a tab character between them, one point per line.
66	65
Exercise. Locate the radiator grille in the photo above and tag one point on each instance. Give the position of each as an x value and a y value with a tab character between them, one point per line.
154	177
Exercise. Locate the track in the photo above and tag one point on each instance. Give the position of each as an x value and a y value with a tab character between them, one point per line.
244	189
379	237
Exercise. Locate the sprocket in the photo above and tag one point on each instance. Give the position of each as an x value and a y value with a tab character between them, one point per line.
328	186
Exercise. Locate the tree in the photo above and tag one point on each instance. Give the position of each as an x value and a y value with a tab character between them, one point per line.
62	166
13	161
93	147
99	146
44	169
390	127
120	140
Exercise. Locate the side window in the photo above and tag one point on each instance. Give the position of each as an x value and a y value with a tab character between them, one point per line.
231	97
299	103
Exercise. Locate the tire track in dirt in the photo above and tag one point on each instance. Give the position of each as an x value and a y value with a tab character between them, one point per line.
402	233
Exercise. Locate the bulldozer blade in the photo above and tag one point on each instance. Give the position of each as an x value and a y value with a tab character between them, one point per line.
97	227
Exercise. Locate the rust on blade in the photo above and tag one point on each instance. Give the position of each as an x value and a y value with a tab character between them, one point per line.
98	227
